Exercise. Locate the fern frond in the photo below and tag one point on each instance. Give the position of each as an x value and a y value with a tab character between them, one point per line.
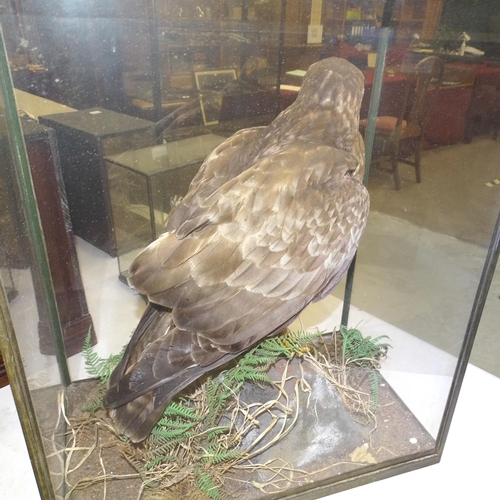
252	376
96	366
207	485
219	457
156	461
374	389
362	351
165	432
217	431
94	404
177	410
259	360
162	447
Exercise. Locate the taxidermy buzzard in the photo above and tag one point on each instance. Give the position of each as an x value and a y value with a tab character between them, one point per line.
270	224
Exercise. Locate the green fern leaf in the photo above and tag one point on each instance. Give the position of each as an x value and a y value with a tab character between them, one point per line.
94	404
217	431
221	456
374	389
174	409
363	351
207	485
98	367
156	461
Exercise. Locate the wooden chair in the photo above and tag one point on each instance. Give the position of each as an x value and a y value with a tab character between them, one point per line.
397	138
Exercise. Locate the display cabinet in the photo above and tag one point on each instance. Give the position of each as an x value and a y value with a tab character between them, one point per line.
46	172
84	138
182	38
364	383
145	184
64	269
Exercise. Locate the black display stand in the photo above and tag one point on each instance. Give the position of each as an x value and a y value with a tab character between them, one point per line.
84	138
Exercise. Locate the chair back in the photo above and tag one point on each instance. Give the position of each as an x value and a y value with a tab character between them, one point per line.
428	72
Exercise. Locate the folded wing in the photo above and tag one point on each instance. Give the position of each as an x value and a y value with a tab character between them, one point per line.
241	265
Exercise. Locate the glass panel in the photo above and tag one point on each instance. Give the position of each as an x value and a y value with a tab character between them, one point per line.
145	184
22	280
131	215
133	97
486	358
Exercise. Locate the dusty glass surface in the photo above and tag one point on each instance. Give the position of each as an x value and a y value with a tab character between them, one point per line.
29	313
145	185
171	81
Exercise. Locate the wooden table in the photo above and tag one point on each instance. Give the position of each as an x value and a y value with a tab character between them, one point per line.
484	109
447	119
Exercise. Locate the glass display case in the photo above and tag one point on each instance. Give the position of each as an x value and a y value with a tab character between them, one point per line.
207	142
182	38
43	155
145	184
84	138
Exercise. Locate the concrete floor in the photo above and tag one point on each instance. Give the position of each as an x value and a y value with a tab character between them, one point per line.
421	257
453	197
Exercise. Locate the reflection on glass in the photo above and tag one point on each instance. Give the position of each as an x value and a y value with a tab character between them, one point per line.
145	184
28	309
148	69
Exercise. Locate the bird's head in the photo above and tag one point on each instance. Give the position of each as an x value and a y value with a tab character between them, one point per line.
333	82
333	90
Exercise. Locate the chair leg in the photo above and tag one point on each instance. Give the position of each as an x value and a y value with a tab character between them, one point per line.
395	172
418	172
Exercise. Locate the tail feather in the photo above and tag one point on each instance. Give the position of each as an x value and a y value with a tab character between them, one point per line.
137	418
158	363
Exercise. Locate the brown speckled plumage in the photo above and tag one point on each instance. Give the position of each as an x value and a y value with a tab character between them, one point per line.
270	224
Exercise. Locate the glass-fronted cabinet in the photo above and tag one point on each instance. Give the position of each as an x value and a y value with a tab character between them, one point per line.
246	244
186	39
145	184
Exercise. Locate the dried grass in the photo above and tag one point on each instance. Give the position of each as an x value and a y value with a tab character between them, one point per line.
179	477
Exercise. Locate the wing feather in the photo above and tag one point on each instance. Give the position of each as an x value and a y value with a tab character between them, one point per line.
258	263
225	162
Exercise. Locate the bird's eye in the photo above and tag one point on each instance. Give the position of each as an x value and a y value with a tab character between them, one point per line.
350	172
